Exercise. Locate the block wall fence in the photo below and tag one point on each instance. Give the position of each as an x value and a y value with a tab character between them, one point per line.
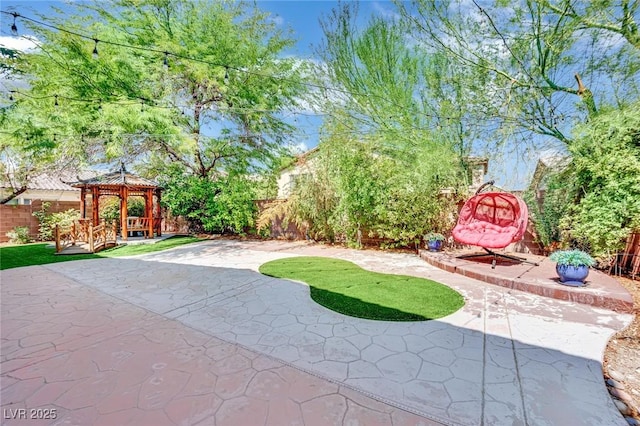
21	215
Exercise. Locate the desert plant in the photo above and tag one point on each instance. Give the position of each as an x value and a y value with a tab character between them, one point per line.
434	236
19	235
572	258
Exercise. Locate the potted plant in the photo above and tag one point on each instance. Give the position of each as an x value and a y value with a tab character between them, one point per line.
572	266
434	241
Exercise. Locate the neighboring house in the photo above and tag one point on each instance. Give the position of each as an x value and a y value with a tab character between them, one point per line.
477	172
43	188
550	162
304	165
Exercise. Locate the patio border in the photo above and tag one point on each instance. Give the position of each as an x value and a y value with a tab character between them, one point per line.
602	290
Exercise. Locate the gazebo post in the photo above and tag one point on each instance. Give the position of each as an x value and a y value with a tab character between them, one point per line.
124	194
83	203
148	210
95	201
158	214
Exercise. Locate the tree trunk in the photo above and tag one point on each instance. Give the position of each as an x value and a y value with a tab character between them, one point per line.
13	195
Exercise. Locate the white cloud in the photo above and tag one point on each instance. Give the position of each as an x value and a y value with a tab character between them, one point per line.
298	148
277	20
385	12
23	44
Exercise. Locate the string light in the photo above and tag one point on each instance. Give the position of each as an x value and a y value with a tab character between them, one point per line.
227	67
11	96
14	27
56	102
165	63
324	89
95	49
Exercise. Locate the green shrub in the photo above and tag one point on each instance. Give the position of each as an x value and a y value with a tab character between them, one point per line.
434	236
214	205
606	173
48	222
19	235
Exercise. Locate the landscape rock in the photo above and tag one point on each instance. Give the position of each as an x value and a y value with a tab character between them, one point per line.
614	384
620	394
616	375
622	407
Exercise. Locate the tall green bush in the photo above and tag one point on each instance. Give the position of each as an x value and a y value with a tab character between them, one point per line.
548	217
594	204
48	221
357	191
222	204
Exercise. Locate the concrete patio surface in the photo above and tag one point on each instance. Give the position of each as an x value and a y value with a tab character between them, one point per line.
195	335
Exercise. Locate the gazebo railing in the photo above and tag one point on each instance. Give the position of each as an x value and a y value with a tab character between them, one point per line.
82	229
97	237
66	236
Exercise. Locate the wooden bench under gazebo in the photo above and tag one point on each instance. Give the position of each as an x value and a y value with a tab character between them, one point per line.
123	185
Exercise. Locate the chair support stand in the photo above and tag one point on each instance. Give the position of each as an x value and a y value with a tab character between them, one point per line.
496	256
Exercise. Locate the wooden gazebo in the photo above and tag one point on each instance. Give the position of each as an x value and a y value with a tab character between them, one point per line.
123	185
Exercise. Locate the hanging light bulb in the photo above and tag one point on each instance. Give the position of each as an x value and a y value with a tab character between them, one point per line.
165	63
14	27
141	106
56	101
226	75
11	96
100	107
95	49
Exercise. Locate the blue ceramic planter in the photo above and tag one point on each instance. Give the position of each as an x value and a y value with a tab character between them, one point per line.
572	275
434	245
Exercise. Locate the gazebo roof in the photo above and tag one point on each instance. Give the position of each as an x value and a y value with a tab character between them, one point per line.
117	178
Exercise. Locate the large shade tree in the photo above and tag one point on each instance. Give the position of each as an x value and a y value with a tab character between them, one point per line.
535	67
187	89
563	73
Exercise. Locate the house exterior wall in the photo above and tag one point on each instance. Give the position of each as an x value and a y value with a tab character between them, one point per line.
31	195
22	215
287	179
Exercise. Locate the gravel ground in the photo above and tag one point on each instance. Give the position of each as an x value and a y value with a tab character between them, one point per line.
623	352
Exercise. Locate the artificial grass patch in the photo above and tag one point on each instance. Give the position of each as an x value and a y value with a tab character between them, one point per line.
346	288
43	253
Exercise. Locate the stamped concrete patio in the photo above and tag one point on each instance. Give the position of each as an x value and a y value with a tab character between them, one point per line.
200	337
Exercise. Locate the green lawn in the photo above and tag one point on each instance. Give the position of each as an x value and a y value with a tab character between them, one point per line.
42	253
346	288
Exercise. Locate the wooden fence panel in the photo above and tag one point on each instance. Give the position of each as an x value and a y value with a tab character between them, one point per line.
628	262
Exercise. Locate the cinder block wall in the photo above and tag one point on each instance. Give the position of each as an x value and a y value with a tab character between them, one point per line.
18	215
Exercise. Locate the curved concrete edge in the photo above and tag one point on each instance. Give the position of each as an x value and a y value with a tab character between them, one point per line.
602	291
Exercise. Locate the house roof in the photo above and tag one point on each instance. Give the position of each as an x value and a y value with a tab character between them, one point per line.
50	182
549	161
117	178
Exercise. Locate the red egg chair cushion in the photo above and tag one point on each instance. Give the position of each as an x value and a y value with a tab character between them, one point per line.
491	220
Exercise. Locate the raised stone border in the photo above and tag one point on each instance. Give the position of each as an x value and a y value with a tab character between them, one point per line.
600	290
